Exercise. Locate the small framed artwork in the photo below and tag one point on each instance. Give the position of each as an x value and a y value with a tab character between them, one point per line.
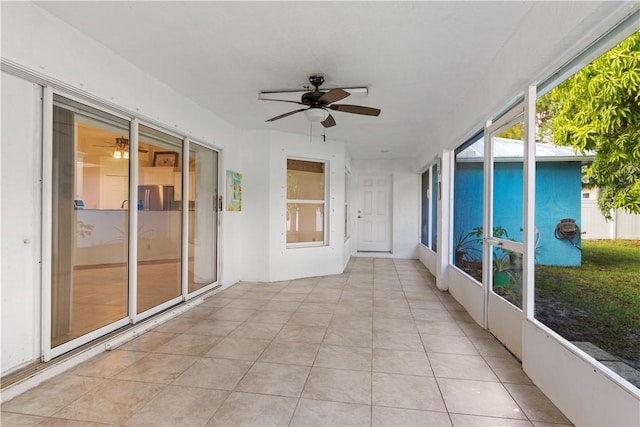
165	158
234	191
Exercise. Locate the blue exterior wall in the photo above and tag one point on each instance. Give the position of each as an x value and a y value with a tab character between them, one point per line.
558	186
467	199
558	190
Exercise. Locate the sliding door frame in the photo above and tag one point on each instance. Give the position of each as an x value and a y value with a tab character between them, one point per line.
48	352
132	317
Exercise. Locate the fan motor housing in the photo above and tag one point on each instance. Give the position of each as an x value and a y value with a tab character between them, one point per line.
312	98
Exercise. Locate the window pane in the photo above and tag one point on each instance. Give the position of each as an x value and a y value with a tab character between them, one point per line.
434	209
159	218
424	236
203	216
305	180
468	196
347	201
305	222
89	279
508	173
588	266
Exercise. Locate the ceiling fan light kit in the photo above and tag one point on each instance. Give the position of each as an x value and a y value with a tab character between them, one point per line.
319	103
122	148
316	115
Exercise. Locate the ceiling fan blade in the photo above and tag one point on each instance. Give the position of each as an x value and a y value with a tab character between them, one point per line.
281	116
334	95
329	121
281	100
356	109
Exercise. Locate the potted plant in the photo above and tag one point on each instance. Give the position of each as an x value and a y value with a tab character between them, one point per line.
501	270
468	247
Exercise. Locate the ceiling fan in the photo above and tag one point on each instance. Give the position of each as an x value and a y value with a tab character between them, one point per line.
121	148
318	104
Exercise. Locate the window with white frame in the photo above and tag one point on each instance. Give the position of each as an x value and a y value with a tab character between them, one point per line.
306	202
468	199
426	197
429	214
347	201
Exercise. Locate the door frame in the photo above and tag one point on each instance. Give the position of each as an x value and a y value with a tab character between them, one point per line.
185	210
360	204
501	318
46	351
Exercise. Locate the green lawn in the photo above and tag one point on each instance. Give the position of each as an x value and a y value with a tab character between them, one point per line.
598	302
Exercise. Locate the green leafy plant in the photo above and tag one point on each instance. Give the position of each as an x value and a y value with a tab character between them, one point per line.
598	109
501	263
498	231
467	247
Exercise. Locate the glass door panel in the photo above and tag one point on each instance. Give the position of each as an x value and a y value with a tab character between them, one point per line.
508	183
159	218
90	228
507	147
203	217
503	228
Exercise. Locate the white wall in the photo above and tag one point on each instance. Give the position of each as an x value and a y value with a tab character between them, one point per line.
427	257
20	220
578	385
406	202
255	206
41	47
289	263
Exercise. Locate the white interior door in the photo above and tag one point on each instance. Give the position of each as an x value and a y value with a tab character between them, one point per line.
374	213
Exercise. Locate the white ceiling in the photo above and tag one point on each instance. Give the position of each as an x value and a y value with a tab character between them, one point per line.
418	59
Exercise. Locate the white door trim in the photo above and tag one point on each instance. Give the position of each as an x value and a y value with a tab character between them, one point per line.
374	214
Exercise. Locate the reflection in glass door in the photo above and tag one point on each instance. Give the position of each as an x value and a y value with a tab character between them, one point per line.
159	263
203	217
89	228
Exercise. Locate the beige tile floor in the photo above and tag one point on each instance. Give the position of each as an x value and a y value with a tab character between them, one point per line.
376	346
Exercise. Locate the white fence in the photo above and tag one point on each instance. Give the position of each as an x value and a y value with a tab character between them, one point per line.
594	226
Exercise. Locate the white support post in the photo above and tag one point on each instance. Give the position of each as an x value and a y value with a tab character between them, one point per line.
185	218
444	219
487	258
133	221
529	231
47	203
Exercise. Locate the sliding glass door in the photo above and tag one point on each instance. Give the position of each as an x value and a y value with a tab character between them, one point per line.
159	263
89	221
203	217
117	245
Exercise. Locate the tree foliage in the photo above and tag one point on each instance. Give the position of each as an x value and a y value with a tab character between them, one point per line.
598	109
